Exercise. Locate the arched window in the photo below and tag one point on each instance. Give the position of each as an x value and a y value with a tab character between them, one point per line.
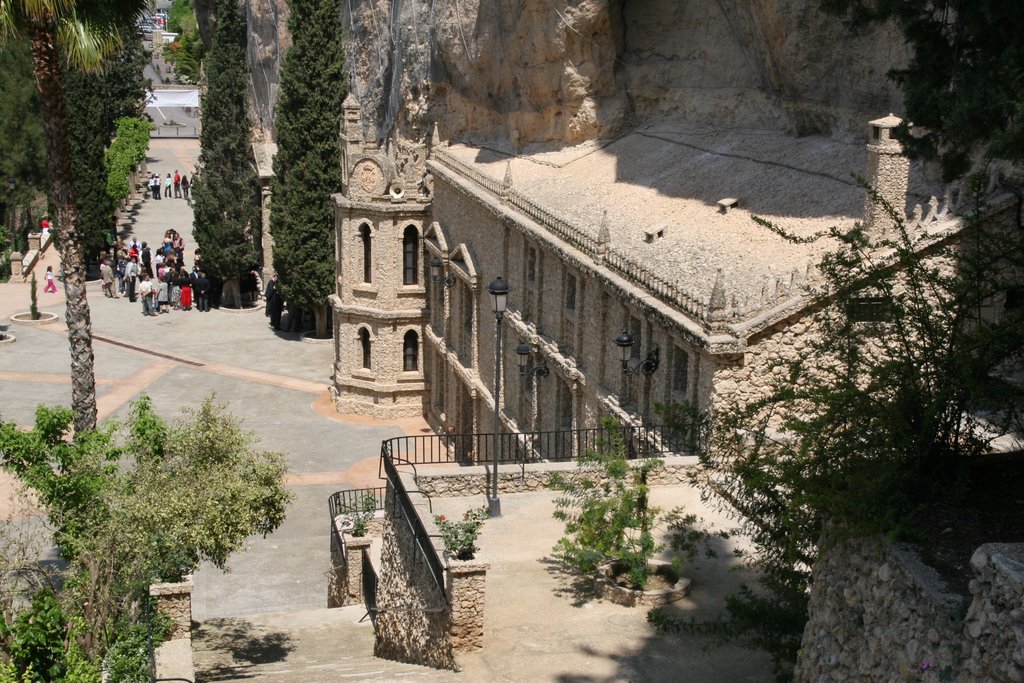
411	352
410	256
364	342
364	236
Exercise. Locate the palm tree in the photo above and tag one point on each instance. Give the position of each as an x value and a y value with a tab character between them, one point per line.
82	32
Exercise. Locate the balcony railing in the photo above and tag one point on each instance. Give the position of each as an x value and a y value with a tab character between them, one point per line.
529	447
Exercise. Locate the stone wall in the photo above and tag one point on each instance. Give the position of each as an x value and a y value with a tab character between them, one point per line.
877	613
448	481
412	621
175	601
345	583
415	623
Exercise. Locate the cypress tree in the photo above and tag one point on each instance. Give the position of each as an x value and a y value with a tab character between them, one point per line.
84	94
226	192
306	167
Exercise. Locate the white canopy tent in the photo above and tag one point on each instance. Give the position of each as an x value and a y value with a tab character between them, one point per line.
157	99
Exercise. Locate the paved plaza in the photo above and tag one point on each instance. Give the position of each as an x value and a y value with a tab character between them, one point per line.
266	618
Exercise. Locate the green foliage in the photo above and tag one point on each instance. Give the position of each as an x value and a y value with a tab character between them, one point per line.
606	512
225	196
38	646
187	55
33	298
877	423
127	660
151	509
181	17
84	95
306	170
124	155
22	145
362	515
964	86
459	538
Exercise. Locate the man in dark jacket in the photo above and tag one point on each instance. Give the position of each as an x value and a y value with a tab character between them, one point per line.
201	289
147	259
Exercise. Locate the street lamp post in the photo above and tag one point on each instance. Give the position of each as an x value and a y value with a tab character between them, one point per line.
499	299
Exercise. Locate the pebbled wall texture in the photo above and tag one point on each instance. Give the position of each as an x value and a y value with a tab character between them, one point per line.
516	72
877	613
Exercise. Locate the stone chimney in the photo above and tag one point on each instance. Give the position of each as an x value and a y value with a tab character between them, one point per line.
888	173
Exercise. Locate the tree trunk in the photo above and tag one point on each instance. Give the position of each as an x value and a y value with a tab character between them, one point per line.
46	66
231	294
320	313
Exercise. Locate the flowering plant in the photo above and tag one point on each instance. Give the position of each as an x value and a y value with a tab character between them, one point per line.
460	537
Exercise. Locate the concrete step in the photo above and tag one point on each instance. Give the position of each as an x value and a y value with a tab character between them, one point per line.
309	646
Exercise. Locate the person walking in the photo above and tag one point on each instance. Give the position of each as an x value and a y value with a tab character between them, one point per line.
51	286
168	181
177	184
184	187
146	292
107	278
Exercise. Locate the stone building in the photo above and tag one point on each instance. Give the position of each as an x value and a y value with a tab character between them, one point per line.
650	235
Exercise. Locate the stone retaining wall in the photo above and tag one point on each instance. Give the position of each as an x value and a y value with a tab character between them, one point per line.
450	481
877	613
415	622
345	583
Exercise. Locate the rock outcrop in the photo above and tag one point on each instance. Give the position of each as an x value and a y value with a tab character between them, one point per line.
517	72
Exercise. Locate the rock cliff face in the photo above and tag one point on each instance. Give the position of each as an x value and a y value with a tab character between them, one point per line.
515	72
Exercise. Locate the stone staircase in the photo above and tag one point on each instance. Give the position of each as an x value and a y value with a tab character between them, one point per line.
309	646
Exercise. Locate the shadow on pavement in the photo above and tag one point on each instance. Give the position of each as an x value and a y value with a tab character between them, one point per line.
240	646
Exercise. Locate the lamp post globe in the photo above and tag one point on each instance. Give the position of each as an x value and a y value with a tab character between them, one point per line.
499	296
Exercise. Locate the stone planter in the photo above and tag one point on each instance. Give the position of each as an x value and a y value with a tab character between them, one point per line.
7	338
631	597
310	338
45	318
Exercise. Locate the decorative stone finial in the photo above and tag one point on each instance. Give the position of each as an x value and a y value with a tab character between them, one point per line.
435	137
506	182
350	101
604	235
718	299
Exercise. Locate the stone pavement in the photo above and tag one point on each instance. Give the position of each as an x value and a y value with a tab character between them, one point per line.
265	619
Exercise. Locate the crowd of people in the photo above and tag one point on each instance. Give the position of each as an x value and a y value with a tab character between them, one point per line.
157	277
178	182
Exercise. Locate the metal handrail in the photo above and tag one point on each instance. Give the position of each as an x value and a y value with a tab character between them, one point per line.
421	538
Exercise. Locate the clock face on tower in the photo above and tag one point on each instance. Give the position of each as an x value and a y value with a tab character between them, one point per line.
367	180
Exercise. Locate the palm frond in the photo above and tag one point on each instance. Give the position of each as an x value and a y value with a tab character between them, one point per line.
86	43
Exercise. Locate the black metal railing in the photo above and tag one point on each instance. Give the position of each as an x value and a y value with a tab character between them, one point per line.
351	500
404	508
526	447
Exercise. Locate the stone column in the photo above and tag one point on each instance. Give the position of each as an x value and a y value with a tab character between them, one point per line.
466	588
17	264
175	601
345	586
267	239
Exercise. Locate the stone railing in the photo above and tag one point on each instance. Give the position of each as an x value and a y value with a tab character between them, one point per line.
877	613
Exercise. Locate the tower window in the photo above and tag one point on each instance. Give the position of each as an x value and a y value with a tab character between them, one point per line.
410	256
364	237
364	343
411	352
